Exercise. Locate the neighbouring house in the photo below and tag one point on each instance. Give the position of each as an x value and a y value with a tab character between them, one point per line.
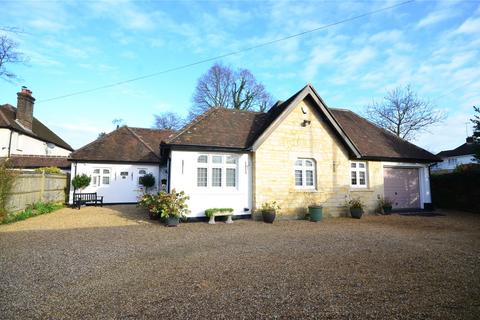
26	141
116	161
463	154
298	153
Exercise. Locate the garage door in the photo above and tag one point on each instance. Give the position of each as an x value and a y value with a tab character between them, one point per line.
402	187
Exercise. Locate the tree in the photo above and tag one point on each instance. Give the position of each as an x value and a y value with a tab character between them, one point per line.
9	55
221	86
476	132
168	121
403	113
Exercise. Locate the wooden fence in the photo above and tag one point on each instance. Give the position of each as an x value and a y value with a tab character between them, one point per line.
31	187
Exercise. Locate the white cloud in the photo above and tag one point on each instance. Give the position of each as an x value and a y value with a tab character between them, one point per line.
471	25
387	36
435	17
318	57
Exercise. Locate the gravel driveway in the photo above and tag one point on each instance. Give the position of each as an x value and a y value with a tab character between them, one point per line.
111	263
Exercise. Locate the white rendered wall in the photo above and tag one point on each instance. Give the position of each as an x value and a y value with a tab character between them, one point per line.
445	165
183	177
26	145
423	177
119	190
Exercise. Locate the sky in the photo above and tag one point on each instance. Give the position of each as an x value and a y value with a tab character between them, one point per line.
73	46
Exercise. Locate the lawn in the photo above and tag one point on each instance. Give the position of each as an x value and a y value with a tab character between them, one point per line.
112	263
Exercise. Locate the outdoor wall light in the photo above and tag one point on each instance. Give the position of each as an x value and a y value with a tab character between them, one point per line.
306	123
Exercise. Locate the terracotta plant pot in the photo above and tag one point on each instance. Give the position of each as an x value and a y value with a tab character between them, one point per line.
268	216
172	221
356	212
315	213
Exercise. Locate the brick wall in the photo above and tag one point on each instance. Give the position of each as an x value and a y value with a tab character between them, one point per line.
273	174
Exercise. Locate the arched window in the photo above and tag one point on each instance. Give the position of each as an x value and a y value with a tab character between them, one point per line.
305	173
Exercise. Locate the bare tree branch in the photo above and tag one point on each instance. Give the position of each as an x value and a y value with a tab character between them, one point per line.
223	87
403	113
168	121
9	55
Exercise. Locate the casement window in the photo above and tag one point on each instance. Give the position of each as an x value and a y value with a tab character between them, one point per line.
100	176
305	173
217	171
358	174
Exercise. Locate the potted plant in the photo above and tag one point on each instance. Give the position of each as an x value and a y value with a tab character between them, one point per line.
315	211
148	201
385	205
356	208
269	211
169	206
147	181
81	181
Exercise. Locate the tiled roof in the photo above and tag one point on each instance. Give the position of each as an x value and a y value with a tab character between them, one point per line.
124	145
229	128
39	130
375	142
463	150
34	161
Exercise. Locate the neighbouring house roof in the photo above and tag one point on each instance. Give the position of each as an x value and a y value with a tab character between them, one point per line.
125	144
243	130
36	161
463	150
39	130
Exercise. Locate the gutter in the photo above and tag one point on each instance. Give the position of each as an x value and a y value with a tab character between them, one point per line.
10	143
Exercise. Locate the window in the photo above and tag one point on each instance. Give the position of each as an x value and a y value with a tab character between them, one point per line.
100	176
141	173
217	171
452	161
305	174
358	174
124	174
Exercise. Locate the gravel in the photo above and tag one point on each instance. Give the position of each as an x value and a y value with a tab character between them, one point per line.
110	262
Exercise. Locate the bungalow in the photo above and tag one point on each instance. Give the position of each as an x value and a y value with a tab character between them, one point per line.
26	141
463	154
298	153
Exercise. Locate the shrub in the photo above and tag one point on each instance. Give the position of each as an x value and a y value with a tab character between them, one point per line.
354	203
211	212
7	178
33	210
456	190
49	170
270	206
81	181
147	181
165	205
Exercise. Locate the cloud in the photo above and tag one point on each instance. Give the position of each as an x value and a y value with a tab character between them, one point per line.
318	57
471	25
387	36
435	17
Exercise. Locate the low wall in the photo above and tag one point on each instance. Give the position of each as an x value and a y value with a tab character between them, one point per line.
32	187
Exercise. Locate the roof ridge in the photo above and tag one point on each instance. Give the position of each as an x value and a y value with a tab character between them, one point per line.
141	140
192	123
97	140
152	129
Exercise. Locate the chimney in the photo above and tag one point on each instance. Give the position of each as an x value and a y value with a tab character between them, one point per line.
25	108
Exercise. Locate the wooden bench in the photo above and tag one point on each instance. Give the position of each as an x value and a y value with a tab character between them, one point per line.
86	198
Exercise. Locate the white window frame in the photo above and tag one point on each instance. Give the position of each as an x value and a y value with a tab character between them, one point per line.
97	178
223	166
357	171
304	168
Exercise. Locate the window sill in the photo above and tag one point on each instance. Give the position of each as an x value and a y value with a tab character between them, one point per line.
359	189
305	190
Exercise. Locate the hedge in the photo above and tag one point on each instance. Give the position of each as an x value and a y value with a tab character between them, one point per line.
457	190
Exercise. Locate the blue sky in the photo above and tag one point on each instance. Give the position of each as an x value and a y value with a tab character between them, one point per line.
73	46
